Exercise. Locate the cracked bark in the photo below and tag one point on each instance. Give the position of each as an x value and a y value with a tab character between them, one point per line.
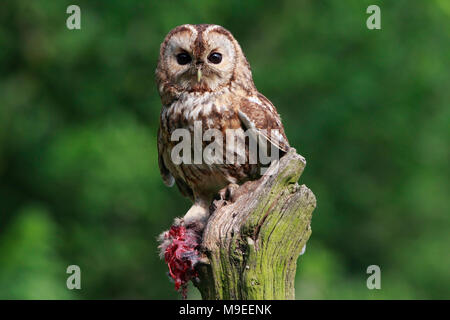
252	243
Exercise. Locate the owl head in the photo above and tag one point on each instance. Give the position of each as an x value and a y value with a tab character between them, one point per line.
200	58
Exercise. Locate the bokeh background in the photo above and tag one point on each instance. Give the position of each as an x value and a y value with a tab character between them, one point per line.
370	110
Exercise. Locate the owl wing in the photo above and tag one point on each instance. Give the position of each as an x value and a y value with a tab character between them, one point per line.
258	113
165	173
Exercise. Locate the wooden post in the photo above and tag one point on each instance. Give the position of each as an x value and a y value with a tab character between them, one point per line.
251	243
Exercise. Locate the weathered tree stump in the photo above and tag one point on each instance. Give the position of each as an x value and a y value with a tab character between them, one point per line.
252	242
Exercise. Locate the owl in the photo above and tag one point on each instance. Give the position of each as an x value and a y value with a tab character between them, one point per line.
203	78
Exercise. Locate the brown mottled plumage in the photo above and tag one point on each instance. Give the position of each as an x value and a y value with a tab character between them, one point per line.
224	98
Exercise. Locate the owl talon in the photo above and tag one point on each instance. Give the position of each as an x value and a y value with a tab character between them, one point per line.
228	192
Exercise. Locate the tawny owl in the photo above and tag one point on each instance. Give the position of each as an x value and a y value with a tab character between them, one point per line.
203	77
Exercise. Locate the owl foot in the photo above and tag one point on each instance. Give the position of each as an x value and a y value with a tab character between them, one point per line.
179	248
228	192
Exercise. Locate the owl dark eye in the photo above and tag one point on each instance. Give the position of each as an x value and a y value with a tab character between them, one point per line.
183	58
215	58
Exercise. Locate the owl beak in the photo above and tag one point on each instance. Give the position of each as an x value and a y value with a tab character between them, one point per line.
199	75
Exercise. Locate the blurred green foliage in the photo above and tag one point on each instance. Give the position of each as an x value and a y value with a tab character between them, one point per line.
370	110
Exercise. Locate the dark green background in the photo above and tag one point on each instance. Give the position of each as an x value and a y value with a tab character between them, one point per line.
79	180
